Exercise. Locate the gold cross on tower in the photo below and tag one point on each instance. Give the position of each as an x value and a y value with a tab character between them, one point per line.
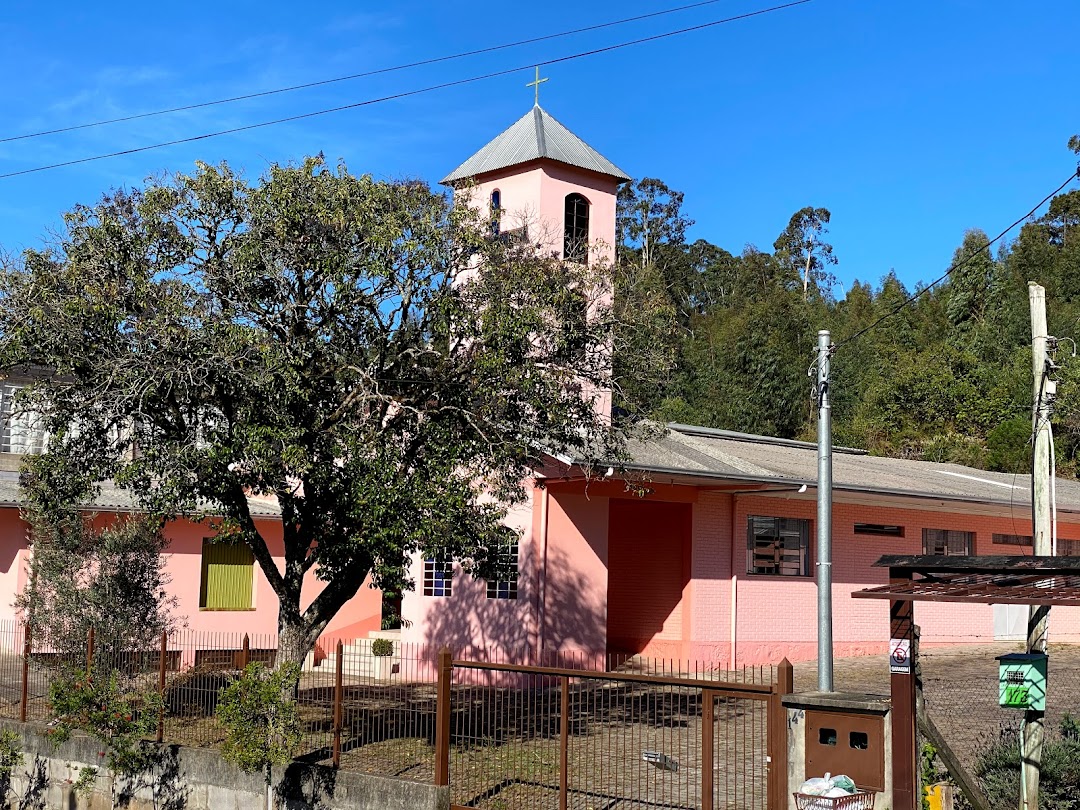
536	84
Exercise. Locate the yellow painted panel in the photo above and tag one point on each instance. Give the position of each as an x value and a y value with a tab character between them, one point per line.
227	573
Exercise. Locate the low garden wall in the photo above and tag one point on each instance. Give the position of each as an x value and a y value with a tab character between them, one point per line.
199	779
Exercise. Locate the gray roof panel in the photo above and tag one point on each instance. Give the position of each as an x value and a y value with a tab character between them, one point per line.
535	135
112	498
705	452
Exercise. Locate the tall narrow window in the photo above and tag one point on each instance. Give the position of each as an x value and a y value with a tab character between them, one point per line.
948	542
227	573
576	228
508	562
496	211
438	576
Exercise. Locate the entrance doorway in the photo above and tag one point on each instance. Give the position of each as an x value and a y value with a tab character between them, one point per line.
648	573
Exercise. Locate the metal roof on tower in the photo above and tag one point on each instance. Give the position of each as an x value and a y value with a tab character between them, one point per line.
535	135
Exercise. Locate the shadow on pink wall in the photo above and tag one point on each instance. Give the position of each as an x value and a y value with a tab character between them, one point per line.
479	628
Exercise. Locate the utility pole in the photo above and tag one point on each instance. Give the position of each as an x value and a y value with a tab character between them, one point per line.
824	516
1044	388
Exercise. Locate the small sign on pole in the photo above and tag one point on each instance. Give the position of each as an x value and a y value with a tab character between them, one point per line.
900	655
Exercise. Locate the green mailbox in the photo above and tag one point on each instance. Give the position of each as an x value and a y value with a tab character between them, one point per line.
1022	681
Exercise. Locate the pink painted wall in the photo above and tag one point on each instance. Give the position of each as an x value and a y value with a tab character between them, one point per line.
649	561
12	560
576	575
184	569
534	194
777	615
468	621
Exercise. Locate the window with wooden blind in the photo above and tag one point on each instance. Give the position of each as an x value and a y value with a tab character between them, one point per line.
948	542
228	572
778	546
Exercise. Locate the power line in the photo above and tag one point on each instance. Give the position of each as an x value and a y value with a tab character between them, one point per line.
365	74
955	266
406	93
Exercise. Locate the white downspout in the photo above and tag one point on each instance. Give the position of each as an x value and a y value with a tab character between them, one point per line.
734	591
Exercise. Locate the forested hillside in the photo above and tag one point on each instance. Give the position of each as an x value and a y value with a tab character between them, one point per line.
947	378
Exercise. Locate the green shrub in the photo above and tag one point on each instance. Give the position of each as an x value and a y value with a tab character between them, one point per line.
118	715
258	713
11	757
998	769
382	647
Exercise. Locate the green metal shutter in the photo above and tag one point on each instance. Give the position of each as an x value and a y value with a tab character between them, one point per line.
227	573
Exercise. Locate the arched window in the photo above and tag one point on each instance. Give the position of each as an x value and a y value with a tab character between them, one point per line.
496	211
576	228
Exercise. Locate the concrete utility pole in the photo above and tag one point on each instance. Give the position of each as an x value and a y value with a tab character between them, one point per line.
1031	739
824	516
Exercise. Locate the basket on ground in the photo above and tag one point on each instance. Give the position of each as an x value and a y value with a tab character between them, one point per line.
855	801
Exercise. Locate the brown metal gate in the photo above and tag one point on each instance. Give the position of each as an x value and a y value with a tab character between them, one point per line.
543	737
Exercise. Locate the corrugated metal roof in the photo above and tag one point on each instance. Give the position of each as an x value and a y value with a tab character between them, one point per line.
709	453
113	499
535	135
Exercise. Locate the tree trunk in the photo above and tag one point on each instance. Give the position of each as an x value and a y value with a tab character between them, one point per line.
293	644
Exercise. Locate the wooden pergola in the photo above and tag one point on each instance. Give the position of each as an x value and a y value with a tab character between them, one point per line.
999	580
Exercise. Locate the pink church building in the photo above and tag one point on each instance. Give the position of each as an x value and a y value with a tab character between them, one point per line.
701	547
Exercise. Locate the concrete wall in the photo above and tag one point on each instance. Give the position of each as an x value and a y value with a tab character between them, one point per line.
198	779
868	705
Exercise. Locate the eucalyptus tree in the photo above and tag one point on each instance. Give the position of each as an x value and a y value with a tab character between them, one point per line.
362	351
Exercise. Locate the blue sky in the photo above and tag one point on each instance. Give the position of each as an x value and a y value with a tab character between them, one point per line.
910	121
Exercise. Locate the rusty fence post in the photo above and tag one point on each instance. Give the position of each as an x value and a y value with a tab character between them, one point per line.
902	691
708	747
245	653
564	741
89	651
778	736
442	718
339	670
24	697
161	685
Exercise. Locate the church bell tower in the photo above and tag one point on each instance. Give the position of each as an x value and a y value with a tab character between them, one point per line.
540	176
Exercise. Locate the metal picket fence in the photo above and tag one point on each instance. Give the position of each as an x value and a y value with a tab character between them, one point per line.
567	730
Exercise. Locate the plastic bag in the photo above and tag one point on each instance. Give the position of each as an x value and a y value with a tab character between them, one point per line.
816	786
845	783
